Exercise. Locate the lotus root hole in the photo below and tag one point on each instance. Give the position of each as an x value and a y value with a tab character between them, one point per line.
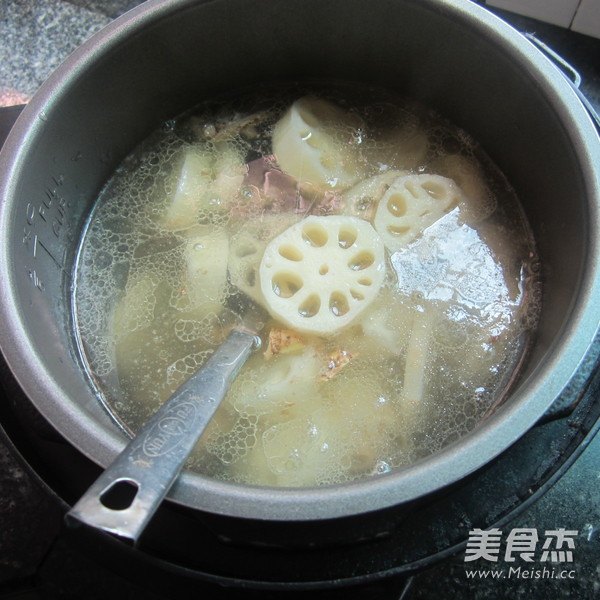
251	277
362	260
398	229
346	237
308	117
310	307
315	235
286	284
435	190
338	304
291	253
397	205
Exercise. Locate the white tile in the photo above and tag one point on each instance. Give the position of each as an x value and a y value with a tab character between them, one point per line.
587	18
557	12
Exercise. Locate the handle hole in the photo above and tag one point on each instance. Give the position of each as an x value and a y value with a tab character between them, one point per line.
120	495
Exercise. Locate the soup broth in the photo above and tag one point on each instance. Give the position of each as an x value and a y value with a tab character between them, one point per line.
393	264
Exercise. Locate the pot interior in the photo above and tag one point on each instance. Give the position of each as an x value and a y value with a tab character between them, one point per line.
163	58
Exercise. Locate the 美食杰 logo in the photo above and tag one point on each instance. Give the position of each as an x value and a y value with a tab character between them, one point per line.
527	554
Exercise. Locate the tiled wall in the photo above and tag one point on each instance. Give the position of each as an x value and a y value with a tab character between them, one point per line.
582	16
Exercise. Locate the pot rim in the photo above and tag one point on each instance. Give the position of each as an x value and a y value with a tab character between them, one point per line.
102	444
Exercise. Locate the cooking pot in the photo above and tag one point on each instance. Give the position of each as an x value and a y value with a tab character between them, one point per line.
164	57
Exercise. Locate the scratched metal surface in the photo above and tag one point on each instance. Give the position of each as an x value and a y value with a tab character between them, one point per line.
35	35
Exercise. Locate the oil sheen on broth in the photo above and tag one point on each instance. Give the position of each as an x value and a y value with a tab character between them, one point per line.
393	262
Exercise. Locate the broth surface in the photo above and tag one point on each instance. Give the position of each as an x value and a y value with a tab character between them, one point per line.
175	251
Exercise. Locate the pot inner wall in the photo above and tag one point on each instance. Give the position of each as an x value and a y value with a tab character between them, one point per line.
162	59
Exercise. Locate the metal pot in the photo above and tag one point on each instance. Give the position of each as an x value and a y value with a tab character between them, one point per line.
165	56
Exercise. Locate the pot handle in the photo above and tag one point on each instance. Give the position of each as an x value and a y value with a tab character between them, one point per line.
569	72
568	401
125	496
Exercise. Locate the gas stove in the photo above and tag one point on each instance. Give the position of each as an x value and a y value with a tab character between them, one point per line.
526	524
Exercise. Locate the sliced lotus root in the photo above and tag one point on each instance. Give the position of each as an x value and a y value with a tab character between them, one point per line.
469	176
247	247
411	204
205	258
193	175
306	149
362	199
204	183
321	273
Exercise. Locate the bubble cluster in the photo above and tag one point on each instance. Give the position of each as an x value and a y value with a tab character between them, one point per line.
233	444
183	368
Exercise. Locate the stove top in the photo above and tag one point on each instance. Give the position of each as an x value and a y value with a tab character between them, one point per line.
549	547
